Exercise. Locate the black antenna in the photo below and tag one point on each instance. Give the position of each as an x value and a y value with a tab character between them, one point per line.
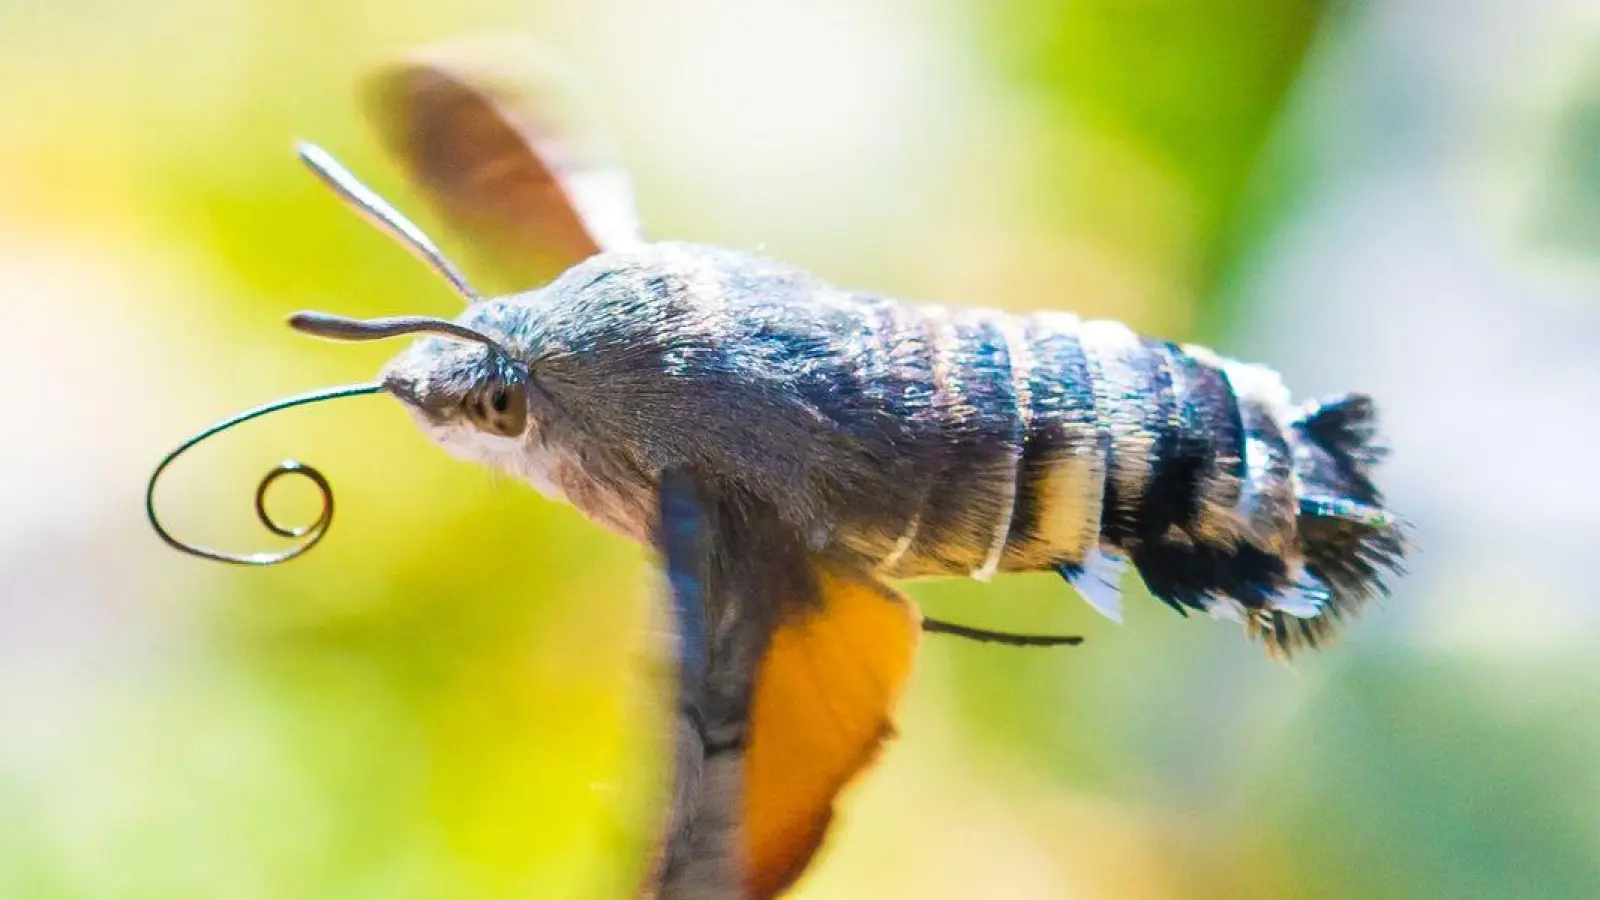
343	328
377	210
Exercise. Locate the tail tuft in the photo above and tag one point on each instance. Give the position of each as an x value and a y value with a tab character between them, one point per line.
1339	441
1349	541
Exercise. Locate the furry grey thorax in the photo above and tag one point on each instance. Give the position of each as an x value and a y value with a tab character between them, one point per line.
635	362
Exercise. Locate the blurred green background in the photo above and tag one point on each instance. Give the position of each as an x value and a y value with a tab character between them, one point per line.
457	694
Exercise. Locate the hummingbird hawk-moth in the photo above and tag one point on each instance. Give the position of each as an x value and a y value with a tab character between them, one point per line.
791	448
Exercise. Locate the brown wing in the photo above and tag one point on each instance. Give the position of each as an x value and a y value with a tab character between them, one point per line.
790	671
504	146
825	693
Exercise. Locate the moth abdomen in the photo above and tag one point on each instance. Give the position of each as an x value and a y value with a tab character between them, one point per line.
1077	445
1227	498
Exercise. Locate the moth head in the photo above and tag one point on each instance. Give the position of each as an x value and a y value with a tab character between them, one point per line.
446	382
464	377
494	161
460	374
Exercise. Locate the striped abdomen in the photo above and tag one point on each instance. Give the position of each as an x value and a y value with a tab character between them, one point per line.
1049	442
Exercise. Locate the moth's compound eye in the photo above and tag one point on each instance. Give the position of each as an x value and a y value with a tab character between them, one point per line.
501	409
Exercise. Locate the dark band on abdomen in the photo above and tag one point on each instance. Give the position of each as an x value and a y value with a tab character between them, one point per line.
1186	546
894	365
976	400
1206	392
1133	393
1268	506
1061	479
1169	483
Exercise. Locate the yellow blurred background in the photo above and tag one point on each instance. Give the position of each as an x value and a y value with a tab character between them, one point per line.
454	695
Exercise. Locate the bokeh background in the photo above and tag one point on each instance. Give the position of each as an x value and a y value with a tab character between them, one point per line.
456	695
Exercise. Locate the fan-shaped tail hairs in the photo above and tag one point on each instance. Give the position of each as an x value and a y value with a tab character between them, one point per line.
390	221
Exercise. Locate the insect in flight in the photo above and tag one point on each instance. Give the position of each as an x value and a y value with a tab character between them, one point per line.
792	447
